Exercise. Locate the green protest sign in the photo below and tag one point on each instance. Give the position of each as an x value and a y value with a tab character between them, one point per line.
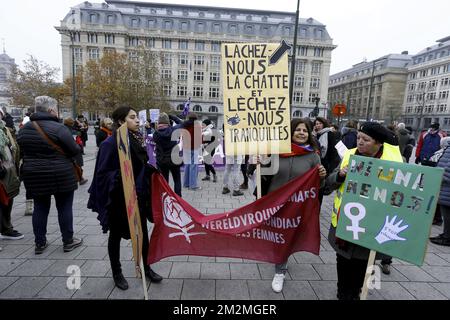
389	206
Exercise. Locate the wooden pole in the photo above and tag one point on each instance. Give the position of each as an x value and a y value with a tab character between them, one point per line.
258	180
369	269
144	282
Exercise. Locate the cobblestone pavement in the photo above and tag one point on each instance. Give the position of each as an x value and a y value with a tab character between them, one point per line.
24	275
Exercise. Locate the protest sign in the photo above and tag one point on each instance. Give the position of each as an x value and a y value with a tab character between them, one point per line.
154	115
142	117
270	229
256	98
388	207
131	202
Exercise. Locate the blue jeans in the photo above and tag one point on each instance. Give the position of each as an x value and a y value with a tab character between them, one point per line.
64	202
191	170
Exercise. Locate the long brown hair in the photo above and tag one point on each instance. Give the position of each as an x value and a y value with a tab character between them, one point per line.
294	124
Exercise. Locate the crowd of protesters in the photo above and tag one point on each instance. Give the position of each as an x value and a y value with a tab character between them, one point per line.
45	153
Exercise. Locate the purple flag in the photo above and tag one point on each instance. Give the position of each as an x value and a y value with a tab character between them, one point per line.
186	107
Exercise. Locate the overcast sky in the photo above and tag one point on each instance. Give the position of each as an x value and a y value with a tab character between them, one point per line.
360	28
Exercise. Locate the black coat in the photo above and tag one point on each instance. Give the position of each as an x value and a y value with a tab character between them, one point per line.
45	171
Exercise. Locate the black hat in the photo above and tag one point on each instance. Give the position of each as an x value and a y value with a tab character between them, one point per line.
207	122
376	131
435	126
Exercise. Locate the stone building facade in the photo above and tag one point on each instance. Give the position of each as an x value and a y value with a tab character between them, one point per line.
188	41
381	81
427	97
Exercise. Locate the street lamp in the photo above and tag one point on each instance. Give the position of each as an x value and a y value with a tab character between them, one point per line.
371	86
291	80
74	97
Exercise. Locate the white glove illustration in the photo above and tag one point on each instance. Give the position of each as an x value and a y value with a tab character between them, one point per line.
390	231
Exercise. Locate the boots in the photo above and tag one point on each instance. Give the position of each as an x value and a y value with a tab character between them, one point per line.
214	178
120	281
29	207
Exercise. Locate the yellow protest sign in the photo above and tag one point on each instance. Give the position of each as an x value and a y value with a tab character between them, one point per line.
256	98
129	190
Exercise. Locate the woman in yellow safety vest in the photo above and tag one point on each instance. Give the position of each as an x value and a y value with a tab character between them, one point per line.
373	141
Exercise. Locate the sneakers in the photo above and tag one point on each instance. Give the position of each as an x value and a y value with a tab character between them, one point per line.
40	248
153	276
207	178
244	186
29	208
75	243
12	235
238	193
83	181
120	281
277	282
225	190
441	240
386	268
214	178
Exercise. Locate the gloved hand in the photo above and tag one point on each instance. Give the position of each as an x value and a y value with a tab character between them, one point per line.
417	161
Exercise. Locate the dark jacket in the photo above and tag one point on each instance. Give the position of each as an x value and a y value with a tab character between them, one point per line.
444	162
349	137
106	191
100	136
45	171
9	122
164	144
329	156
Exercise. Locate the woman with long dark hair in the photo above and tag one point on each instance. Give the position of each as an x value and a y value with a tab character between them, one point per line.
303	157
107	197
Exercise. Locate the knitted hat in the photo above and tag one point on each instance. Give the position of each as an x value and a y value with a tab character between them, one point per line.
163	118
376	131
435	126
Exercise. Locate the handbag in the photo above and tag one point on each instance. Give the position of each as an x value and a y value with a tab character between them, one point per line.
76	168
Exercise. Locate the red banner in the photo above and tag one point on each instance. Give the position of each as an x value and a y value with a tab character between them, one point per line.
269	229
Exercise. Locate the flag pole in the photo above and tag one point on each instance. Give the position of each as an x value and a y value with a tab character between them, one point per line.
144	282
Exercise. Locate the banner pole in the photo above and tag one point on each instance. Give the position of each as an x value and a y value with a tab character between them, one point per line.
144	282
258	180
369	269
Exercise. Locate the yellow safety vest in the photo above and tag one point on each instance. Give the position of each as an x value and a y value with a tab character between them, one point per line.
390	153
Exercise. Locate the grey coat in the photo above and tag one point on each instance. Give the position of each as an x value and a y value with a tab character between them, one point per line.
444	162
293	167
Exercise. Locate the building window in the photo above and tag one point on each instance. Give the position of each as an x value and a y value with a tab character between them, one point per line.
319	34
300	66
167	59
316	68
183	59
215	46
76	36
286	31
93	53
213	109
303	51
199	60
315	83
167	89
93	18
214	77
184	26
215	61
213	92
182	75
151	24
150	42
297	114
265	31
249	29
78	53
92	38
133	42
167	24
110	19
134	23
217	27
110	39
167	44
197	108
200	27
182	92
182	44
303	32
297	97
166	74
299	81
312	97
232	28
318	52
133	56
198	92
200	45
199	75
